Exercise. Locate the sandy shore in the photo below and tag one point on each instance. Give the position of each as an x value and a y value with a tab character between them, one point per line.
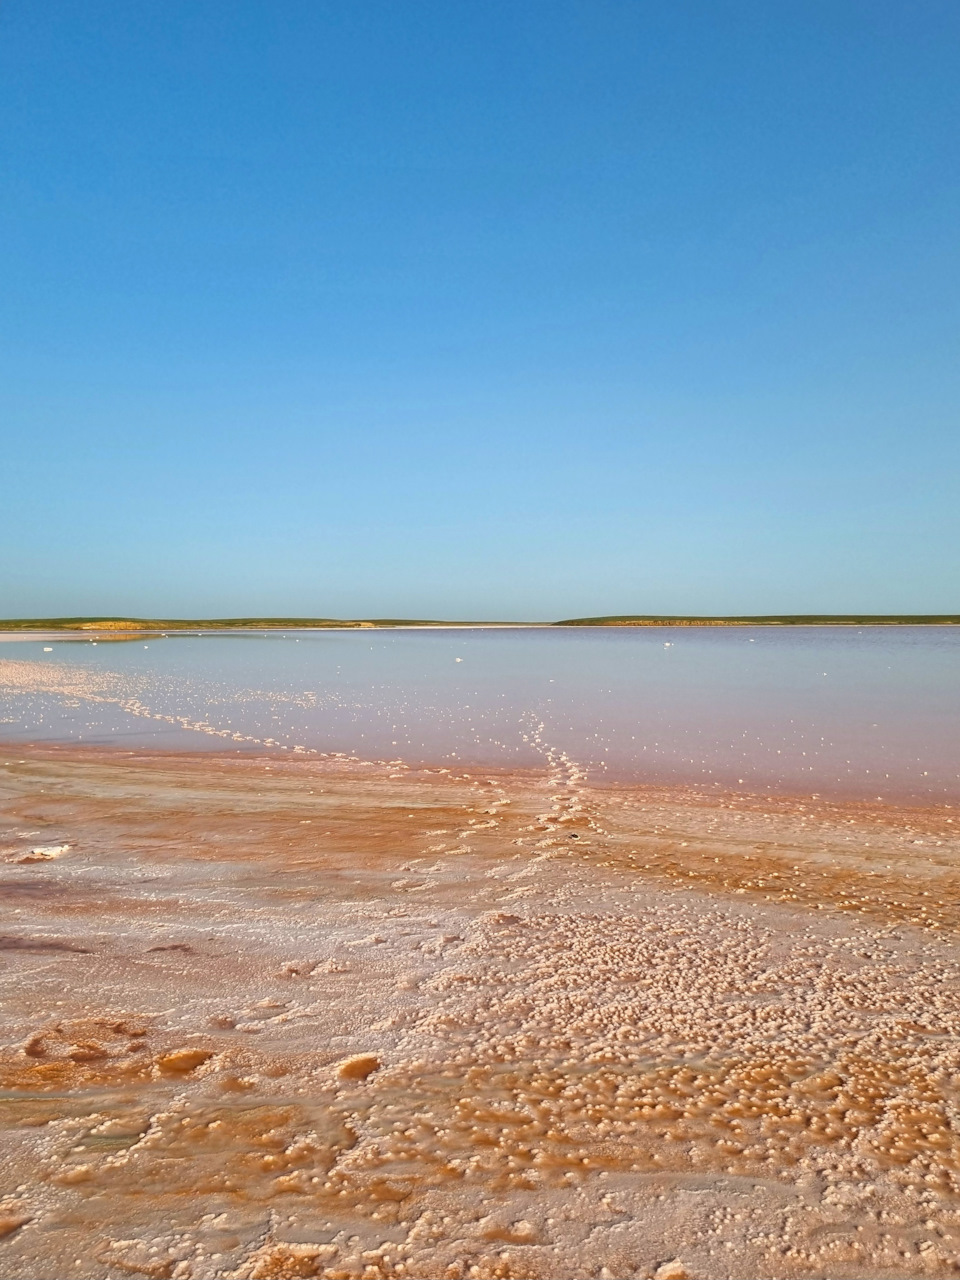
273	1017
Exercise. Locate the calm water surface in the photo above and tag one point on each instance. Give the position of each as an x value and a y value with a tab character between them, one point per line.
872	712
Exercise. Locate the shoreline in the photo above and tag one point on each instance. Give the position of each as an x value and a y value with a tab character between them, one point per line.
106	628
276	1016
599	778
91	634
608	781
792	815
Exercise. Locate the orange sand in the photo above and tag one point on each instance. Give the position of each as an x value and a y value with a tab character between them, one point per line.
278	1018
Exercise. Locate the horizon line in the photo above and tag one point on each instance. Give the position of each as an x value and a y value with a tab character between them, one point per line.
120	624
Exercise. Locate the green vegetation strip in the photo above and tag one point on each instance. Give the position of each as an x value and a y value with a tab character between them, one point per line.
770	620
128	626
122	625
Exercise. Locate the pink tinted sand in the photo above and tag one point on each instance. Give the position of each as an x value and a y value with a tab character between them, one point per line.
278	1017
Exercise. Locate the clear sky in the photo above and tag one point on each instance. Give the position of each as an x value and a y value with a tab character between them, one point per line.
479	308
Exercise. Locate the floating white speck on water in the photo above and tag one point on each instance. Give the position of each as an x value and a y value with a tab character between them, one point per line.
48	648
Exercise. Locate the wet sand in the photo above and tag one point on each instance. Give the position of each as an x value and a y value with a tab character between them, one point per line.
284	1017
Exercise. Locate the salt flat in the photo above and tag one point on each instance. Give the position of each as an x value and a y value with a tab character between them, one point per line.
271	1017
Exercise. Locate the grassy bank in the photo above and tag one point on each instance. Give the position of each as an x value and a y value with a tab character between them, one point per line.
197	624
128	626
770	620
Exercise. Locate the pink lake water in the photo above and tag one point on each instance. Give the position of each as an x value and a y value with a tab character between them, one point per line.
870	712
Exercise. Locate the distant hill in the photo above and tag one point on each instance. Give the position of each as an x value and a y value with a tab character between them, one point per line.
120	627
162	624
128	626
768	620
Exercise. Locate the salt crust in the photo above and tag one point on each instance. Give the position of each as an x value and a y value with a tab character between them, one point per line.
266	1026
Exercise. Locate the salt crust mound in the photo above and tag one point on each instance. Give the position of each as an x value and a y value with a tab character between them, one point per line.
284	1019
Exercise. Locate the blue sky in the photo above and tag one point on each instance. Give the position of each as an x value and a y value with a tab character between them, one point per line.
506	310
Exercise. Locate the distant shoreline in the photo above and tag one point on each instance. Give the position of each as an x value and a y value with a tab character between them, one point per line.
87	627
773	620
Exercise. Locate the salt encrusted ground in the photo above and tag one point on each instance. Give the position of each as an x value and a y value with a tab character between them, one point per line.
277	1018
